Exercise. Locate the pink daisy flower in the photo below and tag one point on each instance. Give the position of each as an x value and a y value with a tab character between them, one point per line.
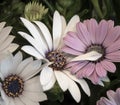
95	46
113	98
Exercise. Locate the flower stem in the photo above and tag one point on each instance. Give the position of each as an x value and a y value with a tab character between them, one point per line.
49	5
97	8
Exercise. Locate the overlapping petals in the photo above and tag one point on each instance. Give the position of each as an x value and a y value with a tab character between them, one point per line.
6	44
43	42
32	93
104	38
113	98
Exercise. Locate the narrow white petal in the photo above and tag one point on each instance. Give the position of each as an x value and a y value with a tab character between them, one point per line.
81	82
2	102
1	76
18	58
63	30
32	51
4	97
11	101
62	80
4	33
34	32
101	83
71	26
36	43
46	75
31	69
35	96
2	24
18	101
57	29
84	86
91	56
45	33
27	101
8	60
106	79
33	85
23	64
74	90
12	47
63	24
7	42
16	61
50	84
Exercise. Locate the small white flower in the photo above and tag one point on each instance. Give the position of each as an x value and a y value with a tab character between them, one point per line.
48	47
6	40
18	86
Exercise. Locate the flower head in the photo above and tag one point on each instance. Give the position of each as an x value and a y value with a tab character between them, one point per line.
113	98
6	44
35	11
48	47
95	47
18	86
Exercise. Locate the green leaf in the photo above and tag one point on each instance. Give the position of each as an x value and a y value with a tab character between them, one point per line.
55	93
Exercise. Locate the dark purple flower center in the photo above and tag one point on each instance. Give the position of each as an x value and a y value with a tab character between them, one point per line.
96	47
58	59
13	86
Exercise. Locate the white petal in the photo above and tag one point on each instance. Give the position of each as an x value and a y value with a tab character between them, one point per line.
2	102
2	24
4	33
34	32
12	47
57	29
18	101
106	79
63	30
17	60
45	33
31	69
62	80
71	26
82	82
50	84
46	75
11	101
4	97
100	83
1	76
74	90
32	51
63	24
8	60
23	64
36	43
91	56
35	96
84	86
27	101
33	85
7	42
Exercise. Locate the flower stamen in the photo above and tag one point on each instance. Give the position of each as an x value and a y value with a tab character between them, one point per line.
58	59
13	86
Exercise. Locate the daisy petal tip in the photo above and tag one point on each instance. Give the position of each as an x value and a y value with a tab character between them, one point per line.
22	19
56	12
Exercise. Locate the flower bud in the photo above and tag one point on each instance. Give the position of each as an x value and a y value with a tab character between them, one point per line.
35	11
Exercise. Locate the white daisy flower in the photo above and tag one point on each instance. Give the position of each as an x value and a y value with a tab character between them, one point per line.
48	47
6	40
18	86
